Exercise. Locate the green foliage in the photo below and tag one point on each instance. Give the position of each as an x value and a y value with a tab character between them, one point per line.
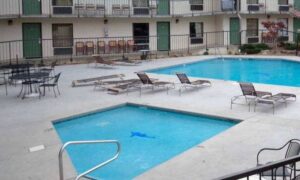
206	52
253	48
290	46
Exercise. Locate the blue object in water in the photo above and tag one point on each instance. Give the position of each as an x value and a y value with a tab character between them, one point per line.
164	134
138	134
256	70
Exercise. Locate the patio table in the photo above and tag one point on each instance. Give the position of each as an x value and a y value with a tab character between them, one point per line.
31	78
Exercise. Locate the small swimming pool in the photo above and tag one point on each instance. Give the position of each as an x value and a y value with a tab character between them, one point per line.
148	137
257	70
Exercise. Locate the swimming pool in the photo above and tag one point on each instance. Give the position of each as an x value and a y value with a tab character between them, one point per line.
257	70
148	137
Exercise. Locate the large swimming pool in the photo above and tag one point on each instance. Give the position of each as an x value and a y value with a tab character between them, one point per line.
148	137
259	70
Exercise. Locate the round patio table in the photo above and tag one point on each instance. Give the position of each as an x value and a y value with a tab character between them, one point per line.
31	78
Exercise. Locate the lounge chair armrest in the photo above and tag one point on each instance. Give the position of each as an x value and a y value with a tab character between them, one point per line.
273	149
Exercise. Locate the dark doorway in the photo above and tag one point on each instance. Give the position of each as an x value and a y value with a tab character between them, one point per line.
141	35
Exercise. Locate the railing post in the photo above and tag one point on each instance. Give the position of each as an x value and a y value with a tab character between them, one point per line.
105	6
297	43
19	4
124	47
188	42
172	8
212	7
9	48
206	40
228	39
78	9
50	10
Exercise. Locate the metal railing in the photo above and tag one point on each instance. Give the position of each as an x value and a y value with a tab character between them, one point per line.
272	169
151	8
69	48
60	158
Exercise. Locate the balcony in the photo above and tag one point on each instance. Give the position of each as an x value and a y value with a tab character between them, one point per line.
114	8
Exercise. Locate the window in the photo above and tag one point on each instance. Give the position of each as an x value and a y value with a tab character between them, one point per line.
62	35
252	27
196	5
62	2
285	30
283	2
196	32
140	3
252	1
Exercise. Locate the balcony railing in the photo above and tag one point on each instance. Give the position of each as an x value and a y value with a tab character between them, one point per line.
114	8
128	8
126	46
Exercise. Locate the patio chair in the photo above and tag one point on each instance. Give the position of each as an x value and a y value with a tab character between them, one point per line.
125	87
89	47
121	46
186	83
293	149
112	45
79	46
249	93
130	46
101	47
100	60
52	82
49	69
153	9
147	82
100	9
4	82
125	9
90	9
274	99
93	81
116	9
79	9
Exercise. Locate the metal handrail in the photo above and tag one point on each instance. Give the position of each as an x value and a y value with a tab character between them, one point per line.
263	168
60	159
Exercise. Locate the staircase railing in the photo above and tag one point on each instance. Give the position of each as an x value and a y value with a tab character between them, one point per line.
272	169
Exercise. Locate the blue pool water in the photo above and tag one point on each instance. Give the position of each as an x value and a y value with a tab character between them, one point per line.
148	137
267	71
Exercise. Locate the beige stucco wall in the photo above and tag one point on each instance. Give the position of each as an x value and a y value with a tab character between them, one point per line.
122	27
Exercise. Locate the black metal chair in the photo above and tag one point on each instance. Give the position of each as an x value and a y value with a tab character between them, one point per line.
52	82
293	149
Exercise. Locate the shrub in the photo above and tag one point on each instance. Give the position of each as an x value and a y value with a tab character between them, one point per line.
262	46
290	46
253	51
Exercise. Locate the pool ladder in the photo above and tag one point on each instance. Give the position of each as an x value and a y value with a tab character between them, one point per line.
62	149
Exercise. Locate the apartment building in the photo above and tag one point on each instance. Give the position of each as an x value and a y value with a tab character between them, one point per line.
46	28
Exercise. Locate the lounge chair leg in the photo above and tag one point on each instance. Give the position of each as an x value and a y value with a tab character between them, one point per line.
21	91
140	91
54	91
58	90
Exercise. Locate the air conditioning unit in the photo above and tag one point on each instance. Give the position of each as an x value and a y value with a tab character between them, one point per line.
196	7
62	9
63	51
141	11
284	8
252	40
253	7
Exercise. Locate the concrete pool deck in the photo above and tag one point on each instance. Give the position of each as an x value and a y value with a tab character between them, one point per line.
28	123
